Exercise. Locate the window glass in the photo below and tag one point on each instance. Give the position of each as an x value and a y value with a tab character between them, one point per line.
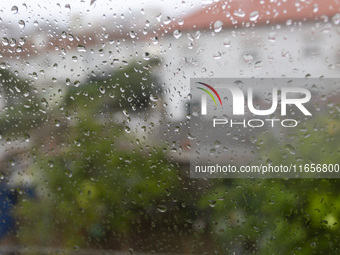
108	108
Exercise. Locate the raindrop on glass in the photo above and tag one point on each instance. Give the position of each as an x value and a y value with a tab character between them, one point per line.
162	208
336	19
218	26
177	34
81	48
254	16
57	123
290	149
21	23
14	9
239	13
248	58
258	65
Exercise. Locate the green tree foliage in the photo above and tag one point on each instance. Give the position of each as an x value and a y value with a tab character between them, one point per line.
22	104
129	88
94	189
98	185
282	216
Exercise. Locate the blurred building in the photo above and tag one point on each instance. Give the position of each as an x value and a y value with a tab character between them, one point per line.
250	38
245	39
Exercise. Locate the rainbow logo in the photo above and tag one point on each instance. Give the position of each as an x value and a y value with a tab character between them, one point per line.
204	98
209	93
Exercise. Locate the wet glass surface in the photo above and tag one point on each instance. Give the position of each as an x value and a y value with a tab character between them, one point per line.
96	127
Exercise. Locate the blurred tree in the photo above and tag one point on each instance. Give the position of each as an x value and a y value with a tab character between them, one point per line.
132	88
282	216
21	104
94	188
98	185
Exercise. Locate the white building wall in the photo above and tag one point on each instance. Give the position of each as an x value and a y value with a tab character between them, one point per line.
285	51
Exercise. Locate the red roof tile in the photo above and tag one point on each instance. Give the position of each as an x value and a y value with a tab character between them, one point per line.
237	13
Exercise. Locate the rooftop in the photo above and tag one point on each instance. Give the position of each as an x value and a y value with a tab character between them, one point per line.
241	13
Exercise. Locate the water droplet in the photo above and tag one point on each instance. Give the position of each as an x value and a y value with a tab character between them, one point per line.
12	162
3	65
154	40
57	123
127	129
26	93
218	26
197	35
217	55
146	56
5	41
77	143
162	208
102	89
190	37
315	8
239	13
258	65
81	48
212	203
254	16
12	42
76	83
167	20
44	102
177	34
226	43
132	34
289	22
68	173
336	19
153	98
21	24
269	161
22	41
158	17
27	137
290	149
14	9
50	163
248	58
284	53
272	36
126	113
217	144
